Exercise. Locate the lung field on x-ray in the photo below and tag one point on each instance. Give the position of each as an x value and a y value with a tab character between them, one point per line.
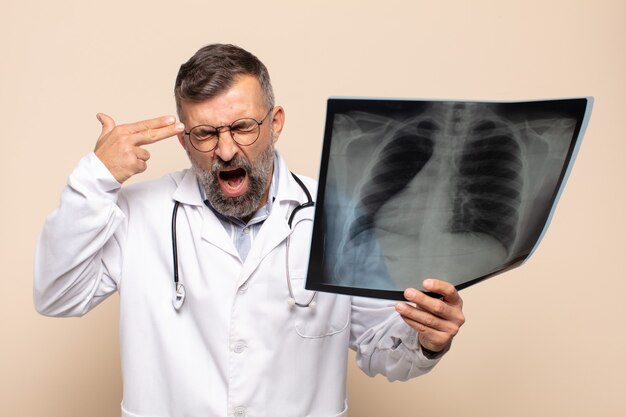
399	161
447	192
488	184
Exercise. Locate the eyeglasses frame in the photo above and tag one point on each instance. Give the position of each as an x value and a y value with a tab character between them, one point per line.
220	129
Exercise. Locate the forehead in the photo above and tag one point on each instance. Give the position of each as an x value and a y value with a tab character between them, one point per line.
243	98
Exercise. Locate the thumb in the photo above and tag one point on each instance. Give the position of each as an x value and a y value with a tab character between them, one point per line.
107	123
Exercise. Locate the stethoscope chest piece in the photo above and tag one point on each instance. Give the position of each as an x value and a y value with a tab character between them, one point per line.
179	296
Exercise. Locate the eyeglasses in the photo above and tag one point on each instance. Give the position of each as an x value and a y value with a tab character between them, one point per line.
204	138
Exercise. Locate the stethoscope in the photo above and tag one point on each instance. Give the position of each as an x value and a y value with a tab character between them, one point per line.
179	288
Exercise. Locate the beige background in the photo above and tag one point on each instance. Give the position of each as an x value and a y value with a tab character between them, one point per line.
546	339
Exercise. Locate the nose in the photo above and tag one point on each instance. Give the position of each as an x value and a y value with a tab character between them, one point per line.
227	148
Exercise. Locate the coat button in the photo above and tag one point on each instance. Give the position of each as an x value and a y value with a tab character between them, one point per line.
239	412
239	347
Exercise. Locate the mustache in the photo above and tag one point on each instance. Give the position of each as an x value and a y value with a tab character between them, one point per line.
239	161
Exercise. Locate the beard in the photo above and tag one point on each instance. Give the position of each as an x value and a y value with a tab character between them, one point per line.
258	172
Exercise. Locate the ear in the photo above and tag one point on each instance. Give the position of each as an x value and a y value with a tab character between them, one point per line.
278	121
181	135
181	139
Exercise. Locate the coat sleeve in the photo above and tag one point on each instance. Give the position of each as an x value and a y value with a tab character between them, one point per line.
78	257
384	343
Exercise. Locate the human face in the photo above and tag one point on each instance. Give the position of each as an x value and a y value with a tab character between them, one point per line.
236	178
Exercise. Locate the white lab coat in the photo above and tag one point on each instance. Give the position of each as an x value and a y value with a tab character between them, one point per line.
236	347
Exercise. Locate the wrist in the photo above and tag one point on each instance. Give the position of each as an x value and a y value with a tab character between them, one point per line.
431	354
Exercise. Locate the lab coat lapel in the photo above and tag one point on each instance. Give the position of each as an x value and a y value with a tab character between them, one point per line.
272	233
275	229
213	232
188	194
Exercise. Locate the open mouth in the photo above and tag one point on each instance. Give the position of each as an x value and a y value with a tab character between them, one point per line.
233	181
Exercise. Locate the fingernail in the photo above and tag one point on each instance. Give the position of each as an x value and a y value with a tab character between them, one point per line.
180	127
409	293
400	307
170	119
428	283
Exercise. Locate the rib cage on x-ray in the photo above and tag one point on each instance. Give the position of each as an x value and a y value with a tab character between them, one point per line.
400	160
443	191
488	183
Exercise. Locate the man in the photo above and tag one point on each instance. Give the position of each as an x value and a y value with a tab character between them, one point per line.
237	342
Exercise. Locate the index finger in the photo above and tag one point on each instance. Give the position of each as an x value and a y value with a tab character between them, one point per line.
154	130
449	292
149	124
154	135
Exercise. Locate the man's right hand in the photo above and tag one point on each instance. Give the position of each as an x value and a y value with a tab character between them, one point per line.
119	147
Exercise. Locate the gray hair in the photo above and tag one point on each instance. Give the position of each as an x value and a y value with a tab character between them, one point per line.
211	71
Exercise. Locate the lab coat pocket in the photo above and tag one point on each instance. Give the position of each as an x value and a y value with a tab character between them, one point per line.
329	314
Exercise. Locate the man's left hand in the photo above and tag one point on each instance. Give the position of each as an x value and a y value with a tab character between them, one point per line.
436	320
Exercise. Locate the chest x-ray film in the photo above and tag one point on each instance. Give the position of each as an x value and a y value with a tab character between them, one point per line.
456	190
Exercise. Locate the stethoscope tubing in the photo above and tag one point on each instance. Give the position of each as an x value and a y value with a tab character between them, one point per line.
179	294
174	242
